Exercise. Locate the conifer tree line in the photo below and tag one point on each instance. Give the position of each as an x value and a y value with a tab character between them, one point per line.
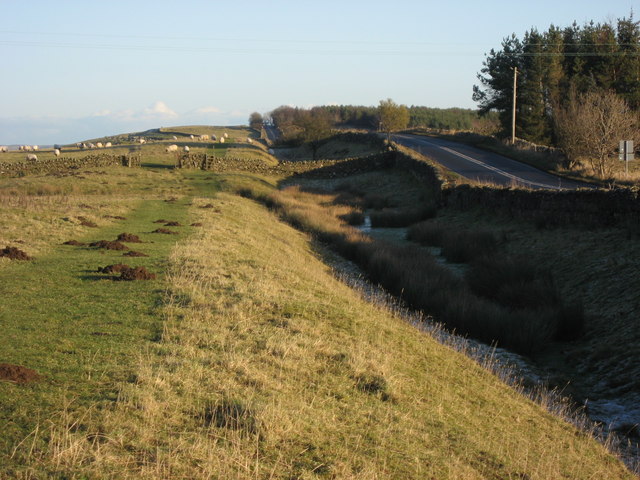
559	66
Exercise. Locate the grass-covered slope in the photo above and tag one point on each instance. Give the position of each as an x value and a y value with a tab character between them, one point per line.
244	358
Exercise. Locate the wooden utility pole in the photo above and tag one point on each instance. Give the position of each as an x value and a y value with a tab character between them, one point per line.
513	112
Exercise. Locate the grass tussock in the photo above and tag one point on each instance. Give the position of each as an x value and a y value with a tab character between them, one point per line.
458	245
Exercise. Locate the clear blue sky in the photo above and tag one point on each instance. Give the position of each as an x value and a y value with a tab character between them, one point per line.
73	70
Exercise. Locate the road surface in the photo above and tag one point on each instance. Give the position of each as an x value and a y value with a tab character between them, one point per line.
272	132
485	167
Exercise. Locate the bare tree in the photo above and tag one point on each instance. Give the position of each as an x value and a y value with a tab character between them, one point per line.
590	125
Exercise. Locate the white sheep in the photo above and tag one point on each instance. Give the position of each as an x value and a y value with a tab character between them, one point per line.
221	139
226	135
91	145
99	145
175	138
191	137
214	138
35	148
107	145
32	157
3	149
141	141
186	148
249	140
56	152
171	148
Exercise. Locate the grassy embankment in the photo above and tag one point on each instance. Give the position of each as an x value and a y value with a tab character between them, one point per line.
244	359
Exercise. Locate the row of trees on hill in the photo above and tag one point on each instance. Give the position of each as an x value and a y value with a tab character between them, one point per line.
439	118
560	72
312	126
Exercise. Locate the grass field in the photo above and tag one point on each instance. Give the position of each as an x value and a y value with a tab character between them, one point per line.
244	358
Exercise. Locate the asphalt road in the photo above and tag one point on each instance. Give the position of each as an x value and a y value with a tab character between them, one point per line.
272	132
485	167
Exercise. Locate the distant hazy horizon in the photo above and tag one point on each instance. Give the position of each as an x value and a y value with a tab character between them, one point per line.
78	70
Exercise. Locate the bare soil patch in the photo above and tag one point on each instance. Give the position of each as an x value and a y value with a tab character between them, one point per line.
128	237
14	253
115	217
18	373
166	231
173	224
208	205
115	268
137	273
87	223
196	224
108	245
133	253
161	220
75	243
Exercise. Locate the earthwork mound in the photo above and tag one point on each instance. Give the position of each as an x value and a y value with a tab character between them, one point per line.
106	244
165	231
115	268
128	237
137	273
17	373
133	253
14	253
173	224
86	223
75	243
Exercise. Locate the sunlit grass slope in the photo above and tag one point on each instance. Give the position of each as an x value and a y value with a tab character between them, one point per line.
268	367
244	358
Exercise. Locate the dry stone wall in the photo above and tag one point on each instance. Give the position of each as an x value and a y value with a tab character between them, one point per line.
19	169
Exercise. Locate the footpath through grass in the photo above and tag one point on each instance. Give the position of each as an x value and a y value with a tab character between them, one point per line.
79	329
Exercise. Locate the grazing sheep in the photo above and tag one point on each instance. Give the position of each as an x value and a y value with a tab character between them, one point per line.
3	149
32	157
186	148
35	148
249	140
191	137
226	135
91	145
214	138
56	152
221	139
79	145
99	145
175	138
171	148
204	137
142	140
271	151
107	145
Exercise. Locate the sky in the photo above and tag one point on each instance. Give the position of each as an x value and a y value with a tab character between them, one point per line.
75	70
